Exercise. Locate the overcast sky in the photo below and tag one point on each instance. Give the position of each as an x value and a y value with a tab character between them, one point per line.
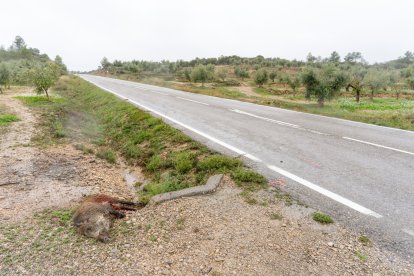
84	31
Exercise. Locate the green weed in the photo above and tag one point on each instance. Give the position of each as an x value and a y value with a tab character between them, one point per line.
322	218
248	179
6	119
364	240
218	163
107	155
361	256
275	216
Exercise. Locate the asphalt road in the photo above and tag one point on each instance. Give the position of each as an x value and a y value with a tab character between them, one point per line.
360	174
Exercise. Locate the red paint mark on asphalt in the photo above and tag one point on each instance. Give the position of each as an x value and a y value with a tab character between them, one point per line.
279	183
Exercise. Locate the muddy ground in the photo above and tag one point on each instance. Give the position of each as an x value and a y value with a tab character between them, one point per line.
218	234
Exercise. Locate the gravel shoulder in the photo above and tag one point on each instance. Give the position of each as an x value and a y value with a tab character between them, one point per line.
217	234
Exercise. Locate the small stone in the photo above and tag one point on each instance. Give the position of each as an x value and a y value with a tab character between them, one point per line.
330	244
284	225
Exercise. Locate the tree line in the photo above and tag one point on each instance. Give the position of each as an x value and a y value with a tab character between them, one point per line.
22	65
320	78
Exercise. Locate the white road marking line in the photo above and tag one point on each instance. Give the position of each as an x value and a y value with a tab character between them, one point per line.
409	232
264	118
325	192
277	122
185	99
252	157
152	91
287	174
377	145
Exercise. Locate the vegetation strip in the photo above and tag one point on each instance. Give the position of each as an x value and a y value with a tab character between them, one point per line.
171	160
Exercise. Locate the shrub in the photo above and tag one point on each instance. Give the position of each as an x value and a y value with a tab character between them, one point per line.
183	161
218	162
261	77
248	179
322	218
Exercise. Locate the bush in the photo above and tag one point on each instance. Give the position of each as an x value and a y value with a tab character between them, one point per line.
322	218
241	73
218	163
261	77
183	161
248	179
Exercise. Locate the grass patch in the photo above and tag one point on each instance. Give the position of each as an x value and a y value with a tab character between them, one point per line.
361	256
248	179
107	155
322	218
276	216
6	119
51	118
49	231
183	161
35	101
84	148
218	163
364	240
248	198
180	224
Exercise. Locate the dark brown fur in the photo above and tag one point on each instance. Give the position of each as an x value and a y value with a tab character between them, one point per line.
95	215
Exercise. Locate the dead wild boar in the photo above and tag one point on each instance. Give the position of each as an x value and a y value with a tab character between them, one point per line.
95	215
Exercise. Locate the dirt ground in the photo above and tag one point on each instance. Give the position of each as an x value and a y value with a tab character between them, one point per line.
218	234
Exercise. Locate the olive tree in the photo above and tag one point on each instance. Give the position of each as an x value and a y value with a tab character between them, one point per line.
322	83
4	76
272	76
222	73
395	83
294	82
187	74
375	80
45	77
356	80
201	74
410	82
261	77
241	73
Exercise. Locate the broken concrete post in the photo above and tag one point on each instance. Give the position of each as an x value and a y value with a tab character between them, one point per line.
210	186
